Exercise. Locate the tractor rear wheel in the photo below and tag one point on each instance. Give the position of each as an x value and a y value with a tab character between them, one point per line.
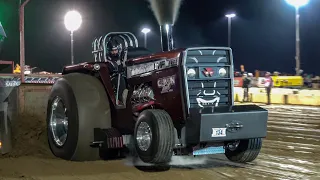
77	104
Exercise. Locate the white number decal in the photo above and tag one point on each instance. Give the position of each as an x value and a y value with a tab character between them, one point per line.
219	132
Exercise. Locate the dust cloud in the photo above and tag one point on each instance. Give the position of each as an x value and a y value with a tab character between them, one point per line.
176	161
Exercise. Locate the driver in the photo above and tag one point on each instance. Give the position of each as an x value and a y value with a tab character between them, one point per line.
113	58
116	69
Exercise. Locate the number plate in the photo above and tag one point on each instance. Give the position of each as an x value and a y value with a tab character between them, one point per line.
219	132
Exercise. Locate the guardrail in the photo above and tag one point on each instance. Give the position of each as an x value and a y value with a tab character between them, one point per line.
281	83
281	96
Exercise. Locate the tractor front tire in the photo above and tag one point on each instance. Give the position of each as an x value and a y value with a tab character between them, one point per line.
247	150
160	128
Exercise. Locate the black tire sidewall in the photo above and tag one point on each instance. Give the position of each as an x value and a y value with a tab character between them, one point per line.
242	147
63	90
150	119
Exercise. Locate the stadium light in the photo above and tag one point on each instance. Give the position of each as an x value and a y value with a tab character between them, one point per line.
297	4
145	31
230	16
72	21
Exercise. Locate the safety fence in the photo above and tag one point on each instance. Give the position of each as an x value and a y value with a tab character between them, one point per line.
281	96
280	81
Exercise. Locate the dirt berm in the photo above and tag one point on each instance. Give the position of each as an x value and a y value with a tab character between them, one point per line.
29	137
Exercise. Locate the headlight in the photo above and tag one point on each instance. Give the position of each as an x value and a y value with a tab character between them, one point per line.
222	72
191	73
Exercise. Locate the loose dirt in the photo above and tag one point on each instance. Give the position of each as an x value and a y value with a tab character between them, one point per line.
29	137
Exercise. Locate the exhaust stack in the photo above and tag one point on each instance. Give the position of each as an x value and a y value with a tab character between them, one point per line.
166	37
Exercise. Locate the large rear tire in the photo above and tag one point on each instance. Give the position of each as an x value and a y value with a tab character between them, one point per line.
86	107
155	125
246	151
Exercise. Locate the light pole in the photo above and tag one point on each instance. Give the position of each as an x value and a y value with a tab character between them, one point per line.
297	4
229	16
145	31
72	21
21	29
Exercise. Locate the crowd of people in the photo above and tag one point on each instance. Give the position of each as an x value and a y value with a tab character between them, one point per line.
248	81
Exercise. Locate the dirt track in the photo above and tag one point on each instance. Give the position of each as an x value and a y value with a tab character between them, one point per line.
291	151
29	137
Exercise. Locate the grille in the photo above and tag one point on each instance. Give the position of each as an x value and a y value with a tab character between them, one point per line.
209	87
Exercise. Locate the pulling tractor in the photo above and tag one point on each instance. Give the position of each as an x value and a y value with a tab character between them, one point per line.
177	102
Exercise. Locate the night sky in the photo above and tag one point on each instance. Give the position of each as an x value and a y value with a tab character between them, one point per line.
263	33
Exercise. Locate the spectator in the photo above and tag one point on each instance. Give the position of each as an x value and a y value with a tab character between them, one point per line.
268	84
245	86
252	80
309	81
305	80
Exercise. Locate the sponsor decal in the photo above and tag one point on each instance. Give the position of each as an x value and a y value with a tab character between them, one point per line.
167	84
219	132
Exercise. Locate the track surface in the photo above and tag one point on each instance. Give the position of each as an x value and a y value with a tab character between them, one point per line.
291	151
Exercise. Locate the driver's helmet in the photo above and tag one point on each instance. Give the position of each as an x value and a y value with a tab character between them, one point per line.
114	49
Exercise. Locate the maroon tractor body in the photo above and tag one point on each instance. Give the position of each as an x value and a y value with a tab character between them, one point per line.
176	102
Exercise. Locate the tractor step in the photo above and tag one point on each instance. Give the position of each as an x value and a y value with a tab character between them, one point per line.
96	144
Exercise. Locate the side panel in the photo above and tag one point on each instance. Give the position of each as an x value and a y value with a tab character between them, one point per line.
106	80
169	99
122	119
